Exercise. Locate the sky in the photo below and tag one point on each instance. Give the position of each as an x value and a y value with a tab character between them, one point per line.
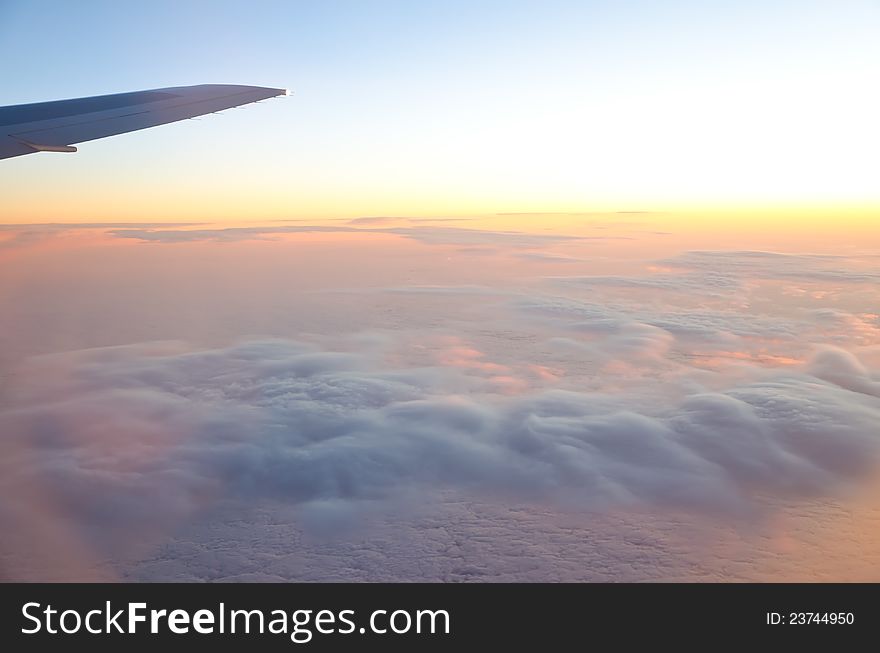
454	108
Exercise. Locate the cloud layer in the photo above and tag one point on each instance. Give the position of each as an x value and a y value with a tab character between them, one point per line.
129	441
412	387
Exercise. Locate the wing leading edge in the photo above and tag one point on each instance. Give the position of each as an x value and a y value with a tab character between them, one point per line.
56	126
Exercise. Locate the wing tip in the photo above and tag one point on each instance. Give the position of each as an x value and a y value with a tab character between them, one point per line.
278	92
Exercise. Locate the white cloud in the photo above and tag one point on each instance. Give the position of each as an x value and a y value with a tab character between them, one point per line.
128	441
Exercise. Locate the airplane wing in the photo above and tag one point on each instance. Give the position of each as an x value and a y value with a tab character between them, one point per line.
55	126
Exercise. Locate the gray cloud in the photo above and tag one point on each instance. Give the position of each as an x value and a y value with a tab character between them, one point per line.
224	234
630	341
373	220
23	235
775	265
843	369
716	274
547	257
430	235
63	226
713	325
462	289
128	441
709	282
463	539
